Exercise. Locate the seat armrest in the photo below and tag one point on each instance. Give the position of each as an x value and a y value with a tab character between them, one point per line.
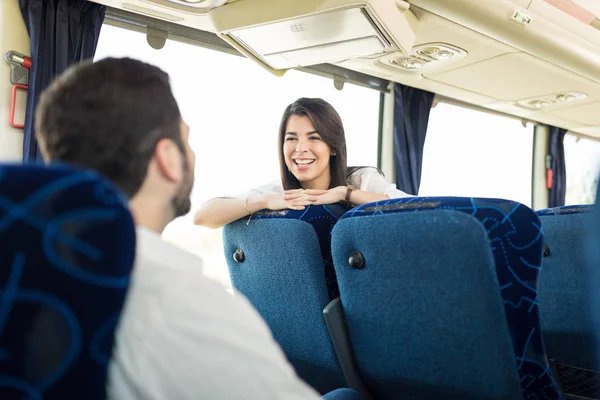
334	319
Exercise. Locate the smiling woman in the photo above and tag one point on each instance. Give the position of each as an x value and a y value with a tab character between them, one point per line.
312	159
313	152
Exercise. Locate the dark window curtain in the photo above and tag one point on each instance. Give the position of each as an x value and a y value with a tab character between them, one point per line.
411	116
558	189
62	32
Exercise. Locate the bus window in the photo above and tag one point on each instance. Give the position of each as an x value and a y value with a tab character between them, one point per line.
475	154
582	163
234	108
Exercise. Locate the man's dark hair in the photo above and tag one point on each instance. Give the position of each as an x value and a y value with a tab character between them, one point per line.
109	116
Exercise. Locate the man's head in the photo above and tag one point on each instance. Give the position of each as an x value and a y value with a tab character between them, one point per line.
119	117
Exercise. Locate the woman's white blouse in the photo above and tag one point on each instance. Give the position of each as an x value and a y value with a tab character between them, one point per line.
365	179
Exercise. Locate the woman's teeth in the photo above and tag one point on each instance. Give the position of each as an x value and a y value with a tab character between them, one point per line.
304	162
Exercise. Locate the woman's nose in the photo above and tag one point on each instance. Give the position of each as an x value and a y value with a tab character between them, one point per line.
300	146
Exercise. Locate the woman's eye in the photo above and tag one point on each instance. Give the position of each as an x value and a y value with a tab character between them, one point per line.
315	138
290	139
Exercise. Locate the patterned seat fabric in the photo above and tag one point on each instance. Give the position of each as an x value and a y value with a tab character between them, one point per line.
516	238
575	209
68	245
281	261
564	288
592	258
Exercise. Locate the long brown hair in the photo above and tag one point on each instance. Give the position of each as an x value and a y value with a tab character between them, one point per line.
328	124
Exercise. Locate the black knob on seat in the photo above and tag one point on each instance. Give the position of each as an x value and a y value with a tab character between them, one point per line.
546	251
239	256
356	260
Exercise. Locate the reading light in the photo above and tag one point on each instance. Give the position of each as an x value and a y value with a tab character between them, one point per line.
410	62
436	53
539	104
564	98
424	57
554	100
442	55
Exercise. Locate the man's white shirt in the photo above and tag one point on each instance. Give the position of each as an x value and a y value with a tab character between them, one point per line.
183	336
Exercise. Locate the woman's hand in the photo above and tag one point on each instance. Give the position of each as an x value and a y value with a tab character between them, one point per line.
316	197
292	199
301	198
330	196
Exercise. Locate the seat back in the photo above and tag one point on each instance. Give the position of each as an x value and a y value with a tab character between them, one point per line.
68	244
563	289
426	261
592	258
281	261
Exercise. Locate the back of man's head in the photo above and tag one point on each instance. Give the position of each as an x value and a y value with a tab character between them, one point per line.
109	116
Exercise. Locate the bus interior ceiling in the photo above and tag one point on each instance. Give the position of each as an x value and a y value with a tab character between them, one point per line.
524	58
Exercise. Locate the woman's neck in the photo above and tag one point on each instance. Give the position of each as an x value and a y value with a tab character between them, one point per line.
319	183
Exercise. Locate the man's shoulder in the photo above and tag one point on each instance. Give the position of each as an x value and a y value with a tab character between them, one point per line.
175	277
153	249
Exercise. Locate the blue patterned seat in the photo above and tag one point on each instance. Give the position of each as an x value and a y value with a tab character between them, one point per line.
565	210
281	261
67	251
564	289
420	272
592	259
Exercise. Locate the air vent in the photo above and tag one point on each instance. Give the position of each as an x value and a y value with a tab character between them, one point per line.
436	53
552	101
410	63
424	57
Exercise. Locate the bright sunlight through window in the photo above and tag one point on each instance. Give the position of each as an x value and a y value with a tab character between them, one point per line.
474	154
582	163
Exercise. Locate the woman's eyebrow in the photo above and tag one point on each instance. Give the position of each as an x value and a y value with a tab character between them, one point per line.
307	133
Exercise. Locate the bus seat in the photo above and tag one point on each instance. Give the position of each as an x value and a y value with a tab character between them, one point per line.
565	314
592	257
434	289
281	261
68	244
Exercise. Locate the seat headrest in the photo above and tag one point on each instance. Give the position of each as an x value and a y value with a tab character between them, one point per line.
68	246
564	210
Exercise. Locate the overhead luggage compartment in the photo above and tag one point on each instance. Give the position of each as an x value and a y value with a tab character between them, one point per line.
541	30
290	33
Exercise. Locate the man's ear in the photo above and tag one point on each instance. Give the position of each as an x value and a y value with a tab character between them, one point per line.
168	160
42	147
